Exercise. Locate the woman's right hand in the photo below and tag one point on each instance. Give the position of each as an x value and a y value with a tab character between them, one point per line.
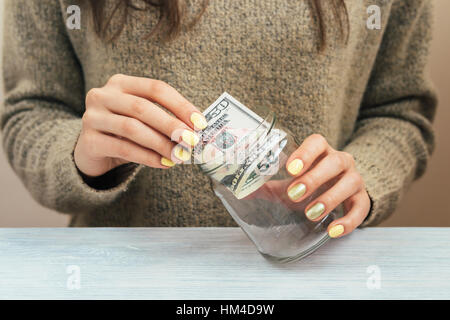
121	124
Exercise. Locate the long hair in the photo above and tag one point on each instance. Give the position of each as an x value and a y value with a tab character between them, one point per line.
172	14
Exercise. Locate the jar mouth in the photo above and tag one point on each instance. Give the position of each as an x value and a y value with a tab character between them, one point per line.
253	159
264	128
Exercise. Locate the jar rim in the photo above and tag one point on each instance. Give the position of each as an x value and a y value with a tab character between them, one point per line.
270	119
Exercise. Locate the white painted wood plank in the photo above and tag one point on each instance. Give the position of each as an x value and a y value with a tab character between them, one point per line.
219	263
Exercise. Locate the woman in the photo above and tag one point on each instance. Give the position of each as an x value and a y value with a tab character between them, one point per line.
85	118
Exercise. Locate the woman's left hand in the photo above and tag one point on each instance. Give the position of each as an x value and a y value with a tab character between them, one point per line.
315	163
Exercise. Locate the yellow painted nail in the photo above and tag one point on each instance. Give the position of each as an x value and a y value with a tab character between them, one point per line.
336	231
167	162
190	138
181	153
315	211
295	166
297	191
199	121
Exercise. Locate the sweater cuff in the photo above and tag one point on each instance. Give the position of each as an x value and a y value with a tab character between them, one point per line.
380	205
388	153
80	194
386	169
110	179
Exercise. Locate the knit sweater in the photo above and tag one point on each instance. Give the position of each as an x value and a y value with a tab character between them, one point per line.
369	97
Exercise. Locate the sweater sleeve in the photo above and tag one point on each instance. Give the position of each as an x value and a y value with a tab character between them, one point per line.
44	101
393	137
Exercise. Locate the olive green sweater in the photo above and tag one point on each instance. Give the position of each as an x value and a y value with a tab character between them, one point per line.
369	97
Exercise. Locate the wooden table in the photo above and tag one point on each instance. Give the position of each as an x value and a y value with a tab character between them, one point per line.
219	263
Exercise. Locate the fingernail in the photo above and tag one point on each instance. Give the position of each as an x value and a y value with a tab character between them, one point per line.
297	191
295	166
167	162
199	121
181	153
315	211
336	231
190	138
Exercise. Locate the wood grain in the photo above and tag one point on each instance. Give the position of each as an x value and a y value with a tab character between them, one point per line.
219	263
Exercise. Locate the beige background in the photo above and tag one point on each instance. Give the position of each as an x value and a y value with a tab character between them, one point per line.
426	204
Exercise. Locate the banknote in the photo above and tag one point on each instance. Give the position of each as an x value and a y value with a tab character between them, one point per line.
239	148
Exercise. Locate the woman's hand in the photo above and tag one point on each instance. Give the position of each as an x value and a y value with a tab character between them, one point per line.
122	124
315	163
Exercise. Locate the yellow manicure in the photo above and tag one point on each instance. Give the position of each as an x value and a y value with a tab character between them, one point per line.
295	166
167	162
199	121
336	231
190	138
181	153
315	211
297	191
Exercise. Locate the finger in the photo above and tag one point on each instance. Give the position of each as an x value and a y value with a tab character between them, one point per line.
152	115
359	205
301	159
326	169
349	184
163	94
273	190
133	130
123	149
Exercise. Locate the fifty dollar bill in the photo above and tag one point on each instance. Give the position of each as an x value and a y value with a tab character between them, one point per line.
238	148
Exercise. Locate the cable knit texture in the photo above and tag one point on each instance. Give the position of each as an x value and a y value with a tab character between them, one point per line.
370	97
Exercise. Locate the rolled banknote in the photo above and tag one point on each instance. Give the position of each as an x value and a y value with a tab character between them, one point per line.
239	148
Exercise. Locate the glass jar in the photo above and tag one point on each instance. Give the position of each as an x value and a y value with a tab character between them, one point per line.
245	155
